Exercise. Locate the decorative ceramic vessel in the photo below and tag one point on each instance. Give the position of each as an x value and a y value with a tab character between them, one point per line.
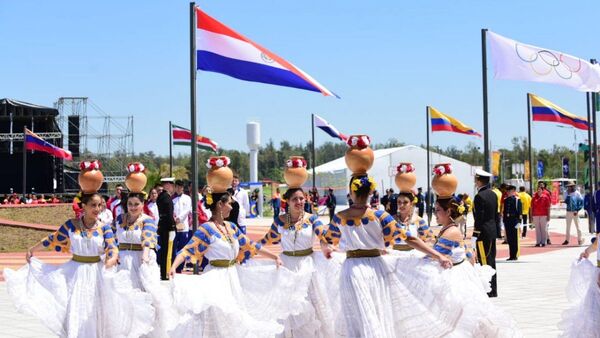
295	171
405	177
444	182
136	179
90	177
359	156
219	175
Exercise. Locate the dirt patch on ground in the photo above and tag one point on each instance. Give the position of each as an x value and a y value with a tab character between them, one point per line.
14	239
55	215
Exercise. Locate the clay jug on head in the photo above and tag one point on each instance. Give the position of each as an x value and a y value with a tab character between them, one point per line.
219	175
136	179
405	177
90	177
295	171
444	182
359	156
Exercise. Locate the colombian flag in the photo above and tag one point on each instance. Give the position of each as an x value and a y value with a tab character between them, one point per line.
544	110
34	142
442	122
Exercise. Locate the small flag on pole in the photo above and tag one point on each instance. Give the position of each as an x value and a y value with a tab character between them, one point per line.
546	111
443	122
328	128
34	142
183	137
221	49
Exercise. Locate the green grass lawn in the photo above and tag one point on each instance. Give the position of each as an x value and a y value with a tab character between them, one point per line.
14	239
55	215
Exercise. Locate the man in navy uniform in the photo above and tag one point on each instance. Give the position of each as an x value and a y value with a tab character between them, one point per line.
485	212
511	214
166	227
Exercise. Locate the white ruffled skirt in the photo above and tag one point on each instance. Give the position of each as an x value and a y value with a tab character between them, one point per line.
316	320
374	302
147	278
457	295
80	299
583	292
250	300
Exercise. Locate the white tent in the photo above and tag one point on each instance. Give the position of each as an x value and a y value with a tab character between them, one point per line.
335	174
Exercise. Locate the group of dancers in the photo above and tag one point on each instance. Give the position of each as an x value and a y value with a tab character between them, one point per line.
375	275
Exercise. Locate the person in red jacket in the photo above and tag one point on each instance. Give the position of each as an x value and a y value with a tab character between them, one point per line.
540	211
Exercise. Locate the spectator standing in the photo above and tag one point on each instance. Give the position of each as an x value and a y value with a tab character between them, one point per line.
182	208
393	203
375	200
540	214
526	204
574	203
385	200
151	204
276	203
331	204
115	201
420	202
241	205
166	226
511	215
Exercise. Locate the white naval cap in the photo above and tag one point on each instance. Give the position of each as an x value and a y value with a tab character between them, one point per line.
168	179
482	173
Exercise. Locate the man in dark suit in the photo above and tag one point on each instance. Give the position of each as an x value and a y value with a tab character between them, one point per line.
166	226
485	212
511	214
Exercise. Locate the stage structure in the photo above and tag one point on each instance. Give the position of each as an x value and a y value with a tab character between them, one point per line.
44	172
93	133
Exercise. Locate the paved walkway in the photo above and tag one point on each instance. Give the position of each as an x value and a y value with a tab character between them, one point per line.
531	289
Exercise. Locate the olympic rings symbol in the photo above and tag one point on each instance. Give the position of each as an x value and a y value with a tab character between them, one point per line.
543	62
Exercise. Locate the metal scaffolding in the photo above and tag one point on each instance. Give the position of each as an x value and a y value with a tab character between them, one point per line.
106	137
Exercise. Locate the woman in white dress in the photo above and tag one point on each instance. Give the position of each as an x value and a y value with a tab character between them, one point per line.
373	300
83	297
229	299
582	319
459	293
137	241
297	232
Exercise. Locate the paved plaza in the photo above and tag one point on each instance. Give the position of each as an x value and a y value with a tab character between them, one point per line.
531	289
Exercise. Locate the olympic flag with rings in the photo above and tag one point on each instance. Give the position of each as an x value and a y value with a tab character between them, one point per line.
514	60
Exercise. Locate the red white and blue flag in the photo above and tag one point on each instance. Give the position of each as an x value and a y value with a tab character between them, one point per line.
222	50
34	142
328	128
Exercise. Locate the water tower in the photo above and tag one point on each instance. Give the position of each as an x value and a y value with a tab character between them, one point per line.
253	142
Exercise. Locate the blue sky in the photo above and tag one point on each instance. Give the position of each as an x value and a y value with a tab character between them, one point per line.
386	59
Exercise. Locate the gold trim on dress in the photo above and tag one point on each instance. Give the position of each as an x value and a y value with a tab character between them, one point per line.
402	247
85	259
299	253
222	263
363	253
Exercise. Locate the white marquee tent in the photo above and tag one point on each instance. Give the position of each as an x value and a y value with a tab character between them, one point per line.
335	174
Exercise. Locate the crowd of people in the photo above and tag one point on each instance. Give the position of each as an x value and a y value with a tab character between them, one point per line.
381	271
15	199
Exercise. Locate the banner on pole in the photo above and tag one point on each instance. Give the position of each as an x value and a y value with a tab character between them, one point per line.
540	169
496	163
527	175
